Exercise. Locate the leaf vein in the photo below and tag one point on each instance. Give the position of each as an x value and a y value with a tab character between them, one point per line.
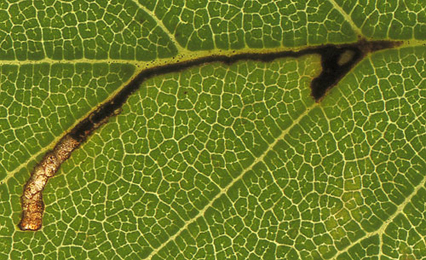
347	17
227	187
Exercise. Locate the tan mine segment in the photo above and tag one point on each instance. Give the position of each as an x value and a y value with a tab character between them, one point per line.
32	200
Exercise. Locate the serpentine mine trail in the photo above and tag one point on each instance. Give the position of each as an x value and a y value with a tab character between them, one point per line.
336	62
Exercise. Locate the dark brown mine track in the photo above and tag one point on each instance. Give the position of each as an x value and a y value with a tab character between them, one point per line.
336	62
331	73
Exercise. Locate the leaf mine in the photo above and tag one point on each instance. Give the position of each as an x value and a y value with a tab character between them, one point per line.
336	61
32	199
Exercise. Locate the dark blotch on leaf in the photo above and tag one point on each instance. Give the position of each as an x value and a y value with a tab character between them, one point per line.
335	65
337	61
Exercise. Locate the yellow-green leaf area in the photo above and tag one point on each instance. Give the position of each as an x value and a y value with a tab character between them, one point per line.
222	160
72	30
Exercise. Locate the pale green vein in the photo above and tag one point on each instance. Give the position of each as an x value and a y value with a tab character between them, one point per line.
347	17
30	159
181	57
42	37
137	63
225	189
76	61
160	24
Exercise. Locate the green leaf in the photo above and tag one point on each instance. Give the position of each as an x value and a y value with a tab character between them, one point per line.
225	161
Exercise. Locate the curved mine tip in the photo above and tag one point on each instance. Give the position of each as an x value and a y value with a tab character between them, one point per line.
30	223
29	226
32	199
